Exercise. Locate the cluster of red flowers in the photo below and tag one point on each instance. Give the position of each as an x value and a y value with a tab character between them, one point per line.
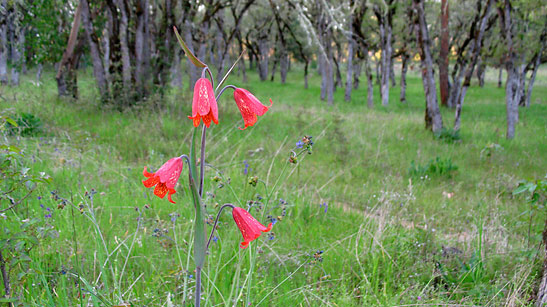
204	107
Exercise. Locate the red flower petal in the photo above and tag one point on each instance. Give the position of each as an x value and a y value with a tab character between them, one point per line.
150	182
146	173
160	190
204	104
169	172
250	228
171	192
249	106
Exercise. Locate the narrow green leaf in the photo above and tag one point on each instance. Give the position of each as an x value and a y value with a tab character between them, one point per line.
520	189
228	72
189	53
11	122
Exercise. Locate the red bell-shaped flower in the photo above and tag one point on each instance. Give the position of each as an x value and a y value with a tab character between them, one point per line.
165	178
204	104
250	228
249	106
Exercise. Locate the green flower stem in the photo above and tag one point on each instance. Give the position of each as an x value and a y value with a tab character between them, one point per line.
202	160
199	224
216	222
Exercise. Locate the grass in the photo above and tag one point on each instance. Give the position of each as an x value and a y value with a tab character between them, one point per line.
390	236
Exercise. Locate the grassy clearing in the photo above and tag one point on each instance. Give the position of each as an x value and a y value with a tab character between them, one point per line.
390	236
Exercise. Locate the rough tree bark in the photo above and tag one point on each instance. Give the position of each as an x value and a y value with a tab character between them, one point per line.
18	58
349	70
433	119
358	15
511	84
533	76
4	43
124	44
142	46
404	68
475	52
93	43
443	56
385	21
66	76
263	55
325	56
481	71
370	84
500	76
336	60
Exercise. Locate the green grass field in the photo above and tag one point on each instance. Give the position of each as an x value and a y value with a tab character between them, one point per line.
411	219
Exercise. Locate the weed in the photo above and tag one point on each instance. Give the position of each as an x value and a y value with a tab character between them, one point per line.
438	167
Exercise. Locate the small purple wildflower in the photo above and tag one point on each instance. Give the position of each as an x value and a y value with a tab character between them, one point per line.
42	206
47	216
246	170
299	144
39	197
273	220
419	298
326	205
215	239
48	209
174	216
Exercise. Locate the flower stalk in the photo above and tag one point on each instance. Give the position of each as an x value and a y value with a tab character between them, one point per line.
205	109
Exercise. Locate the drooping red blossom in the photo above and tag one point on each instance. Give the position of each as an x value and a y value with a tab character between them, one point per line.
164	178
249	106
250	228
204	104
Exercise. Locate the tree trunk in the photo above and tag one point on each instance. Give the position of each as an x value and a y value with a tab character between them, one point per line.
511	85
368	74
66	76
404	68
537	63
118	91
105	40
263	50
176	71
521	84
481	71
321	65
4	44
124	43
93	42
500	76
17	54
378	74
443	57
242	60
306	66
142	47
475	52
349	70
274	67
39	73
337	60
284	65
433	117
